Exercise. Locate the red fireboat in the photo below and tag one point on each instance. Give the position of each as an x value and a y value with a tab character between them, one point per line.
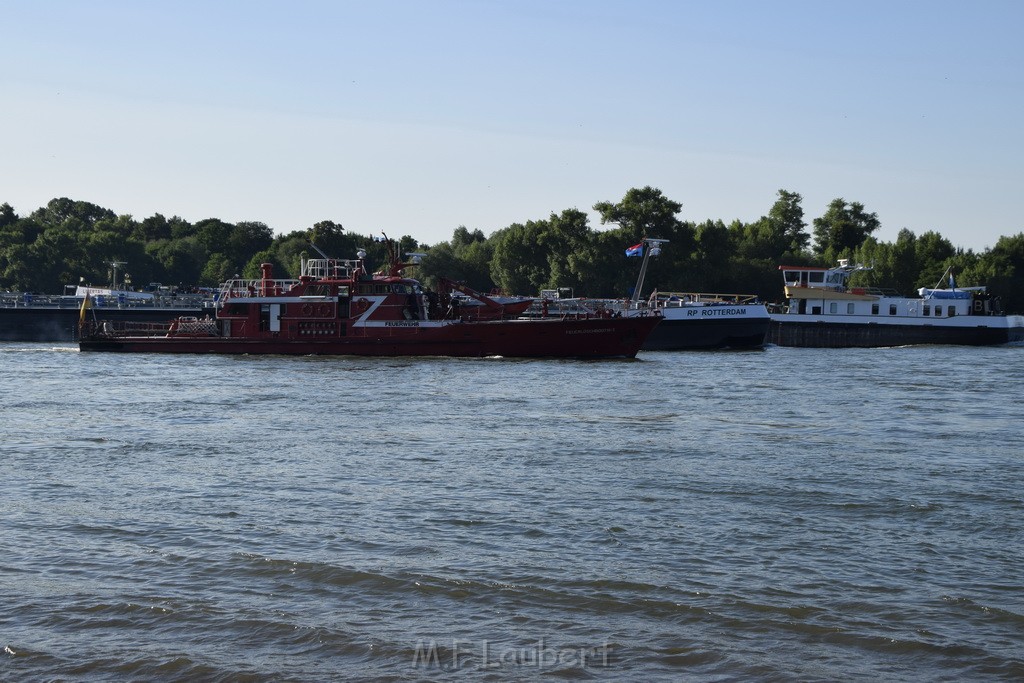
336	307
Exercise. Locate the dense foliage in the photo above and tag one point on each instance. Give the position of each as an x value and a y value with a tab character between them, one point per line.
67	242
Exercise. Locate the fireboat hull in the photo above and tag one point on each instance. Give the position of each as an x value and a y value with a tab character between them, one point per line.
546	338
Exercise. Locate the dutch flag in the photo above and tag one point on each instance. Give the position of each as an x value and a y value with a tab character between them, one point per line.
636	250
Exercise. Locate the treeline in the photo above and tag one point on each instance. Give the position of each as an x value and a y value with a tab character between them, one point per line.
70	241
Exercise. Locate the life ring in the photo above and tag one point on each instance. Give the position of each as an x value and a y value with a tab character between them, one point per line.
324	310
307	309
361	304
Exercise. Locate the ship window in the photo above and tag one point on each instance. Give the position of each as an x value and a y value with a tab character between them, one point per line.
951	311
892	309
318	290
938	311
927	310
874	309
817	276
815	310
833	307
849	308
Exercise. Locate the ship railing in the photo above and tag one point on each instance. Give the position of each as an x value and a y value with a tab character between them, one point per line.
64	301
241	289
880	291
574	307
581	308
680	299
329	268
121	329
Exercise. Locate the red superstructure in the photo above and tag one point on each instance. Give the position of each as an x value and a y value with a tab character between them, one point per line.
336	308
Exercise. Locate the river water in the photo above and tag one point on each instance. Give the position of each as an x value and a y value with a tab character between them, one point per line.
787	514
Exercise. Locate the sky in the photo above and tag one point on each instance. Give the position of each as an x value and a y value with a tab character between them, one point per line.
416	117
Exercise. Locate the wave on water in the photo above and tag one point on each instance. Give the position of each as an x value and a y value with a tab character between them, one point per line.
810	515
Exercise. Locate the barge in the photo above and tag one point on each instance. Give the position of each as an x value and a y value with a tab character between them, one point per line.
822	310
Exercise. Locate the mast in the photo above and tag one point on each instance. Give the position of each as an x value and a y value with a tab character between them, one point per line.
652	247
114	265
949	274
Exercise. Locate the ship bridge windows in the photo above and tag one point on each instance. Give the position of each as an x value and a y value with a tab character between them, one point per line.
386	288
318	290
803	277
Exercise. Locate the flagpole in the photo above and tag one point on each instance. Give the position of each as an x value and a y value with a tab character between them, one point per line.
651	247
81	313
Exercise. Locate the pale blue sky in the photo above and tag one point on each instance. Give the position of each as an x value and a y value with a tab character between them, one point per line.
418	117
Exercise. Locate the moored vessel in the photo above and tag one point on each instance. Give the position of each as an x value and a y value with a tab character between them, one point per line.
822	310
689	320
700	320
26	317
336	307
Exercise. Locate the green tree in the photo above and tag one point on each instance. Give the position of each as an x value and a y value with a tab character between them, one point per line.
842	228
772	238
60	211
7	215
156	227
933	253
181	228
179	261
567	242
291	249
520	263
787	218
462	237
892	265
330	238
1002	267
466	258
213	234
253	269
710	263
217	270
644	212
247	238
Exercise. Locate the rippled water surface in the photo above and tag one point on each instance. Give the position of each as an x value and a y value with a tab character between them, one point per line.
791	514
